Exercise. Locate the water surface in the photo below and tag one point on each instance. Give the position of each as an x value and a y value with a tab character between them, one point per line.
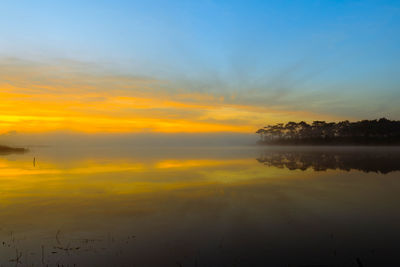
200	206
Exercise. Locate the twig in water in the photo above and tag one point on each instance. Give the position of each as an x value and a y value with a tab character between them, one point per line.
359	262
17	258
42	254
58	240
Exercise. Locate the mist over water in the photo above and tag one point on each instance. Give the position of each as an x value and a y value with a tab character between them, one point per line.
75	140
200	205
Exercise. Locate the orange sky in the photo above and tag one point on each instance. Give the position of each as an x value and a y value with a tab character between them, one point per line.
44	98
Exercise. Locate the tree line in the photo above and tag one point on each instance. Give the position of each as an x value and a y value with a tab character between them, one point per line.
382	131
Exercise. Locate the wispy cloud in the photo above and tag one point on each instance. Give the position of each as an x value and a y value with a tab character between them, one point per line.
41	97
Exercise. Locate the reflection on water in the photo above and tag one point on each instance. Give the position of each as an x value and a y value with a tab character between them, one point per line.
383	160
195	207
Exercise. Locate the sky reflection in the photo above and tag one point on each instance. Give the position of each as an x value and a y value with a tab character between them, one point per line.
206	205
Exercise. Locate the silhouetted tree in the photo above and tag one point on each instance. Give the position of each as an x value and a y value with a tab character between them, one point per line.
382	131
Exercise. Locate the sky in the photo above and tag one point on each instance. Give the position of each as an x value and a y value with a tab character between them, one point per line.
195	66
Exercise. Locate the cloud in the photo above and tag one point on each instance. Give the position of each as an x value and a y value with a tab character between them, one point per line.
42	97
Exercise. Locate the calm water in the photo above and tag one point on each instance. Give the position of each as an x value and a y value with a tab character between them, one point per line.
231	206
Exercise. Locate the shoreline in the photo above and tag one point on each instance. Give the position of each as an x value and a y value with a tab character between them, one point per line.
9	150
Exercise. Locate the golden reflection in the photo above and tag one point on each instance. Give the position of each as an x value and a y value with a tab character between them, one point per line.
171	163
59	178
65	199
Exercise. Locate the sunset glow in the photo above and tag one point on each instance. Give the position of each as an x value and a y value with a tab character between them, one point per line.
54	101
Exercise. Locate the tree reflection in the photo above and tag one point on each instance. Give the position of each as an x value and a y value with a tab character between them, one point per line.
371	160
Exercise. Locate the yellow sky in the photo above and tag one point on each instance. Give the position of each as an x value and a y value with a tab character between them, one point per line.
44	98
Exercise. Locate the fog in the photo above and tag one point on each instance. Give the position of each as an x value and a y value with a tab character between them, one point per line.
71	139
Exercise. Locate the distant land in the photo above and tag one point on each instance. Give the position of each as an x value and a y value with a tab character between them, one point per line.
365	132
9	150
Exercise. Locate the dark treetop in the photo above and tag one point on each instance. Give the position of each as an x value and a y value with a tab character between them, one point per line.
365	132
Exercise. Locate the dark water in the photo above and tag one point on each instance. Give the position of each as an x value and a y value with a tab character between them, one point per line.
219	206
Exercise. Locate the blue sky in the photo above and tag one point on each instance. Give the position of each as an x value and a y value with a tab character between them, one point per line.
338	57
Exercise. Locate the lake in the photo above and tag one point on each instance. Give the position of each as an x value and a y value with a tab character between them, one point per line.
200	206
